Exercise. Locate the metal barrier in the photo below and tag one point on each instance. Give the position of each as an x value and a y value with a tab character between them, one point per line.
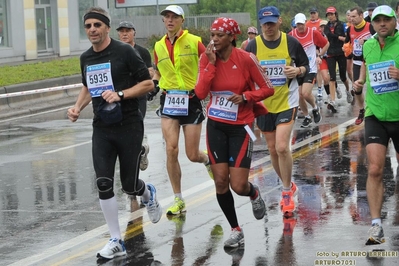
23	93
21	101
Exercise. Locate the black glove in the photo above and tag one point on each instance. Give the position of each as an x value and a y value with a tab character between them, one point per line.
152	94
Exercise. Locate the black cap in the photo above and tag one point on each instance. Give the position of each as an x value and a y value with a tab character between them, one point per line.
372	5
126	24
313	9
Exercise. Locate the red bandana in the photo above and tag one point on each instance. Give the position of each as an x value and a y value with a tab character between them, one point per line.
227	25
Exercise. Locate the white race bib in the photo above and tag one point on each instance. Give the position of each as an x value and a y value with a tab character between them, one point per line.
357	48
176	103
275	71
99	79
380	80
221	107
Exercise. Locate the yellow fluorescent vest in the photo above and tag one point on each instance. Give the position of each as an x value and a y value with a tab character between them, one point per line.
183	74
282	99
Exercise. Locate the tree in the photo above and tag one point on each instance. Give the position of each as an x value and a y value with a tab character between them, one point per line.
226	6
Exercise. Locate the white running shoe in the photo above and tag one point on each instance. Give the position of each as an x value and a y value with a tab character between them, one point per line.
376	235
236	239
319	93
114	248
154	209
258	205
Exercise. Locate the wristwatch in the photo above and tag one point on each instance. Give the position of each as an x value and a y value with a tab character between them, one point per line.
244	98
121	94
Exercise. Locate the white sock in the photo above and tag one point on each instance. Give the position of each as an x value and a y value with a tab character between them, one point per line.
376	221
110	211
179	195
146	194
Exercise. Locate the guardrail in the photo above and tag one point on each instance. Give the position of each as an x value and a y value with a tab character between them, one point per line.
38	96
29	92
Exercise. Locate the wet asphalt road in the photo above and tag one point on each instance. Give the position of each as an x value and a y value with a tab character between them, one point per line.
50	213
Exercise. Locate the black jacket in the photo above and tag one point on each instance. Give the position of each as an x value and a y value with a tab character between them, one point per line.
332	36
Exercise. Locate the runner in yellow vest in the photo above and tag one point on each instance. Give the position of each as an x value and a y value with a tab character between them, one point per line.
176	58
285	62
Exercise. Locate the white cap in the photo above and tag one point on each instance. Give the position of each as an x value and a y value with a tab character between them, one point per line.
300	18
175	9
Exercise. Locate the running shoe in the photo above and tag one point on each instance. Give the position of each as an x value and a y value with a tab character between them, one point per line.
258	205
306	122
236	239
289	225
349	97
360	118
332	106
208	167
339	93
316	115
154	209
114	248
287	203
319	93
376	235
328	99
143	157
178	207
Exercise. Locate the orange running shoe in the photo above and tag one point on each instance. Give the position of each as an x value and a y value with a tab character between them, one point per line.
287	202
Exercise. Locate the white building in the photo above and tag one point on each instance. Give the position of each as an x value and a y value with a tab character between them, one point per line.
30	29
33	29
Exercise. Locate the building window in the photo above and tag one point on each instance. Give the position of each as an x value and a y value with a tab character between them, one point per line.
84	5
3	24
42	2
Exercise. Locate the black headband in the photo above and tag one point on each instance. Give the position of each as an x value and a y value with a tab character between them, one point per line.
98	16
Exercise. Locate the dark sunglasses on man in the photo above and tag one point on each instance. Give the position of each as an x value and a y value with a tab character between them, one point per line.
95	24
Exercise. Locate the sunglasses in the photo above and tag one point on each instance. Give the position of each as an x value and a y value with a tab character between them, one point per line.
95	24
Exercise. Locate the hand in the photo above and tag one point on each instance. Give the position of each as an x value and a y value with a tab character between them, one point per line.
393	72
236	99
290	71
154	92
210	52
73	113
358	84
110	96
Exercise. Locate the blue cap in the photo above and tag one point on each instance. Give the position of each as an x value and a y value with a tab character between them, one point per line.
268	14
